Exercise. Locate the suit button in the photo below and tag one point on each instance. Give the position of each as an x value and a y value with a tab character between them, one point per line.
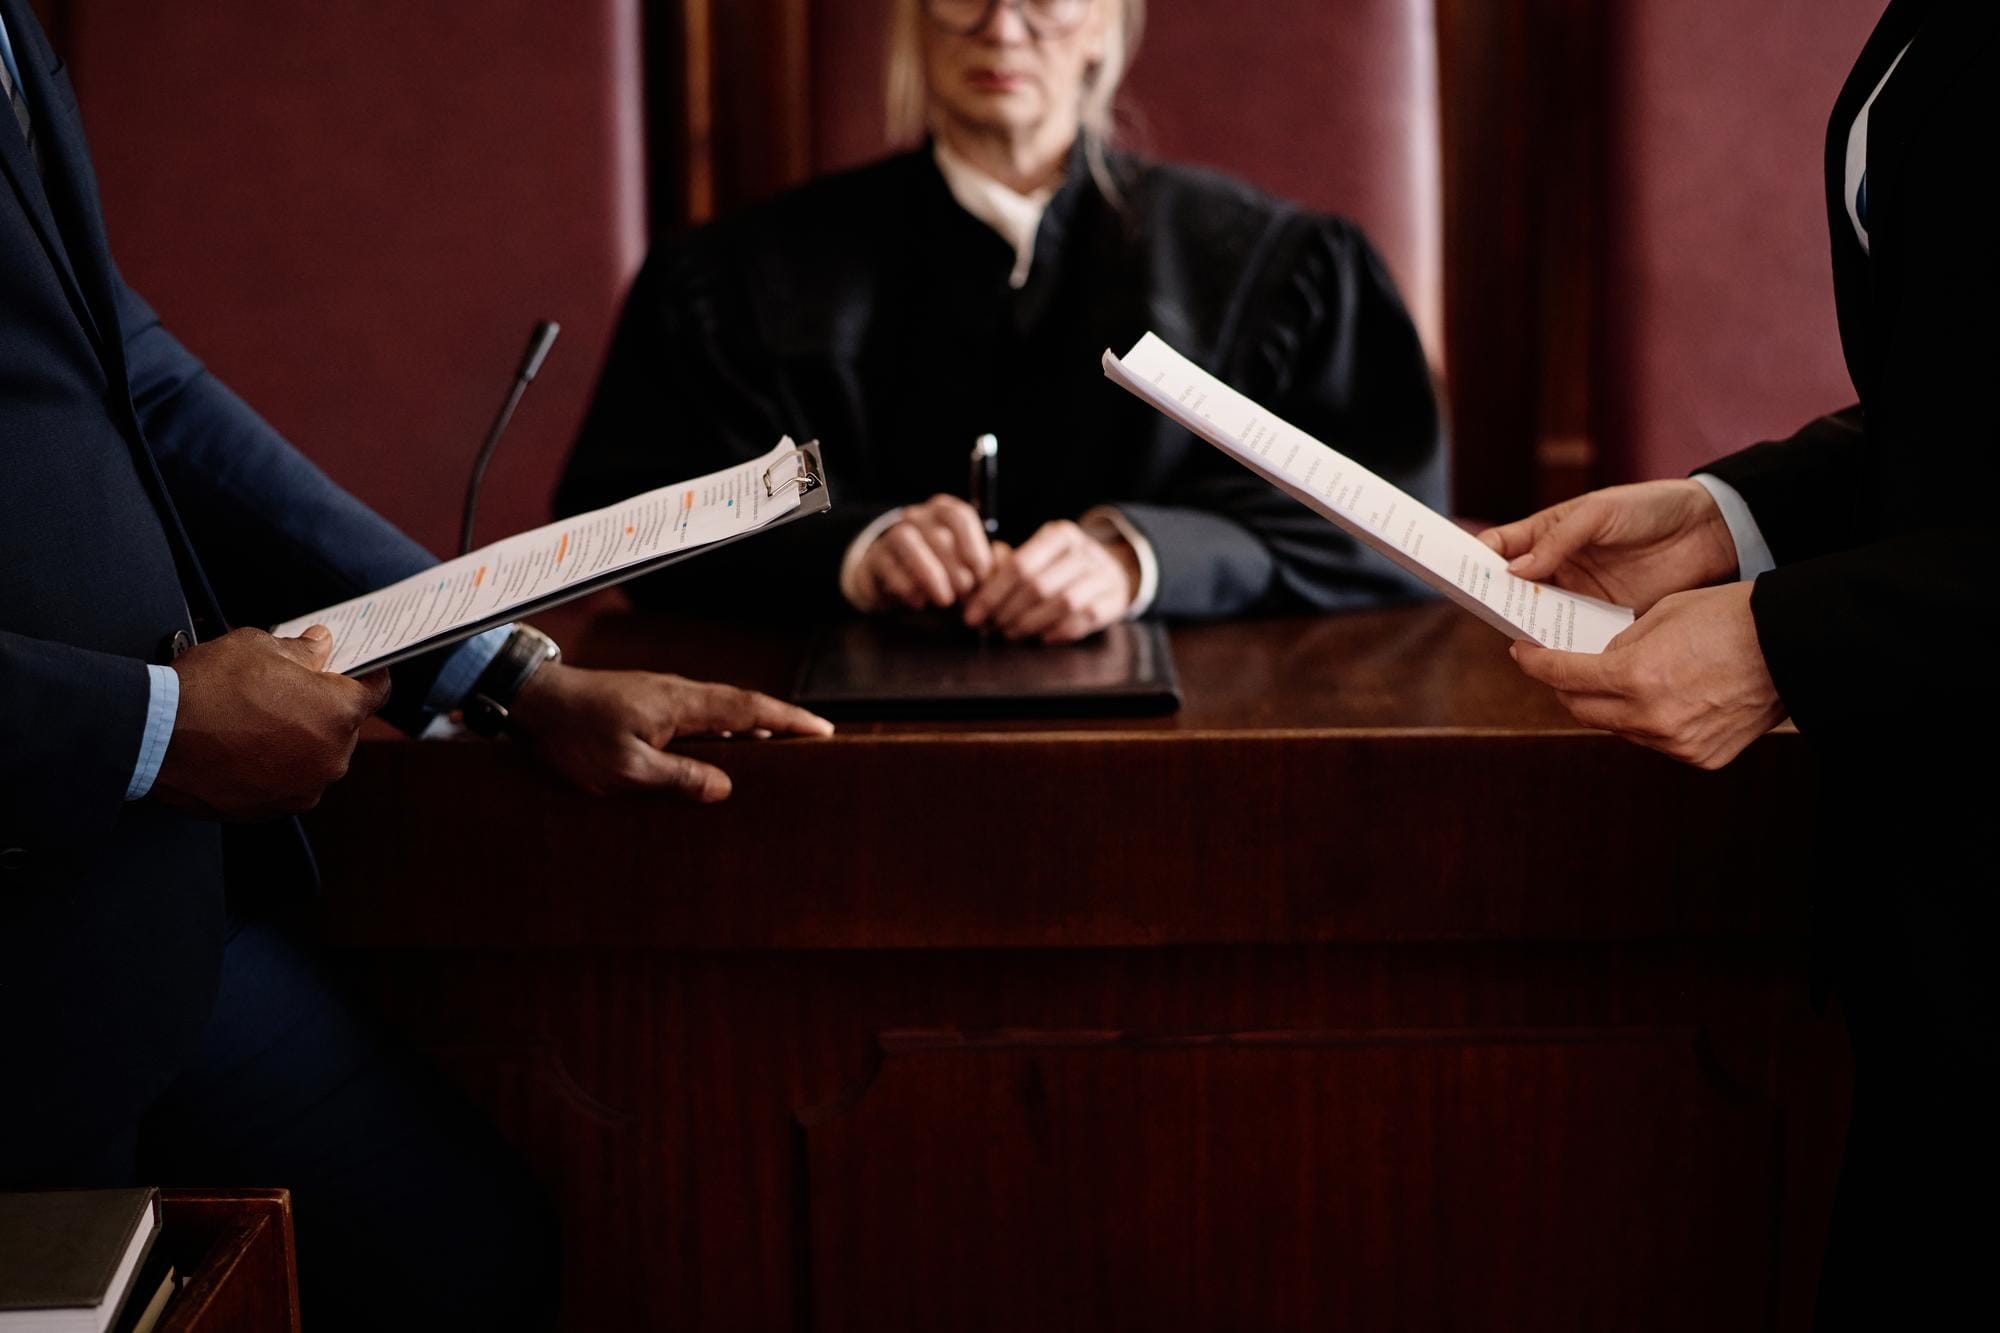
14	858
175	645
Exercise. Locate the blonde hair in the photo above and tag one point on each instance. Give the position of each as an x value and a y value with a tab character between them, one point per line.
909	102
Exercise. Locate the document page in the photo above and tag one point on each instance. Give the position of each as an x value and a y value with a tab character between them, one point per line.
1409	532
579	554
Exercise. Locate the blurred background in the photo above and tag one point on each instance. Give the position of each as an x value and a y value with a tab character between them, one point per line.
1607	216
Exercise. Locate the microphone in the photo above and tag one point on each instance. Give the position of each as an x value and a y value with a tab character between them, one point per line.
539	341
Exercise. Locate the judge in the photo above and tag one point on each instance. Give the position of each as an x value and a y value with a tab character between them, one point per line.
898	312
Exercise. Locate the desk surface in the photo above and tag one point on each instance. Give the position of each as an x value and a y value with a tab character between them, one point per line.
1417	668
1387	775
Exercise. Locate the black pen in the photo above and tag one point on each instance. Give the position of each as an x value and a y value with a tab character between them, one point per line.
984	487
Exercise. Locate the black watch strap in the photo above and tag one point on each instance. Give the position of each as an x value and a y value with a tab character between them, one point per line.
526	651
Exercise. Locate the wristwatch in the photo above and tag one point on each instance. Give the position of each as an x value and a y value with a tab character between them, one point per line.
526	651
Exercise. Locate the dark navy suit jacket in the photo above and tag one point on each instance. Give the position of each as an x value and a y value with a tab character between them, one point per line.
138	497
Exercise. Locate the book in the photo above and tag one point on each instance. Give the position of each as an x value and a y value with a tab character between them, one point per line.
68	1257
147	1317
533	571
1387	518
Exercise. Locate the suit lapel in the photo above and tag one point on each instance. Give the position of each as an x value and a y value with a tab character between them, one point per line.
1854	276
1953	36
18	165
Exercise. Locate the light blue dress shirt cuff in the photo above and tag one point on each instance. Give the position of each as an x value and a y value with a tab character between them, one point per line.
163	705
1753	553
463	669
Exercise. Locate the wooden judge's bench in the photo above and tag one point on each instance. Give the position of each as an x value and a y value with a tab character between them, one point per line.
1365	992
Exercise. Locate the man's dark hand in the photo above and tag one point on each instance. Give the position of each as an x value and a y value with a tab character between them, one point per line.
262	729
607	731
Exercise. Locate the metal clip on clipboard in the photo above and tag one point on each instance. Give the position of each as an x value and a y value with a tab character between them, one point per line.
807	479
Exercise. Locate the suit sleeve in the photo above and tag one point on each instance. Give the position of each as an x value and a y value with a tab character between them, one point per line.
70	726
1808	492
1329	347
1882	524
687	389
277	537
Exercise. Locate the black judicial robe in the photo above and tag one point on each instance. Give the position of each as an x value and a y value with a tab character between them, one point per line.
870	311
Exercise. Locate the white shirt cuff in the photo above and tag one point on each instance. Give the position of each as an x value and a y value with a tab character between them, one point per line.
1753	553
1108	520
850	564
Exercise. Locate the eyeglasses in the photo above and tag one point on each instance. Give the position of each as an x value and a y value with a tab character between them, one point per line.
1044	18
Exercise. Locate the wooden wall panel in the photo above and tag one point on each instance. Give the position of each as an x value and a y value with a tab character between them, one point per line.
1098	1181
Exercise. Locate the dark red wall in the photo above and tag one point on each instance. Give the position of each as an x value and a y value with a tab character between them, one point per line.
1717	292
354	212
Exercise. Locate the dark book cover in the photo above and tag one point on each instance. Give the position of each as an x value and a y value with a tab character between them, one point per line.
62	1249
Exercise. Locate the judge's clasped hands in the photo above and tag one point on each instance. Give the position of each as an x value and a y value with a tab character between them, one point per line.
1688	678
1063	584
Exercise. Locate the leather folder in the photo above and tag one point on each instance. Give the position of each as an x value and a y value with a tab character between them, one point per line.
916	666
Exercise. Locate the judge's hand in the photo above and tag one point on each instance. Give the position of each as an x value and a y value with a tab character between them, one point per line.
935	556
1631	545
607	731
1061	586
1687	679
263	729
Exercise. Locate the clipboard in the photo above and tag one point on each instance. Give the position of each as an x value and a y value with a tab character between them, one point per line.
814	498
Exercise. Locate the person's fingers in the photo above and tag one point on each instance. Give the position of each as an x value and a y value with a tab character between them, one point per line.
1106	606
891	580
1008	587
372	691
968	536
662	770
313	649
1077	597
996	587
1602	711
944	545
721	709
772	717
1517	538
1580	526
1037	592
1569	673
905	544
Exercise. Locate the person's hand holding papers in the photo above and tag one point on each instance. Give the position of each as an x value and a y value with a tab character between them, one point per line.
1631	545
262	729
1688	678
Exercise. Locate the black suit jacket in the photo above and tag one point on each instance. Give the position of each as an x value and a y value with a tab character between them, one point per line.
1881	516
1881	519
127	474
